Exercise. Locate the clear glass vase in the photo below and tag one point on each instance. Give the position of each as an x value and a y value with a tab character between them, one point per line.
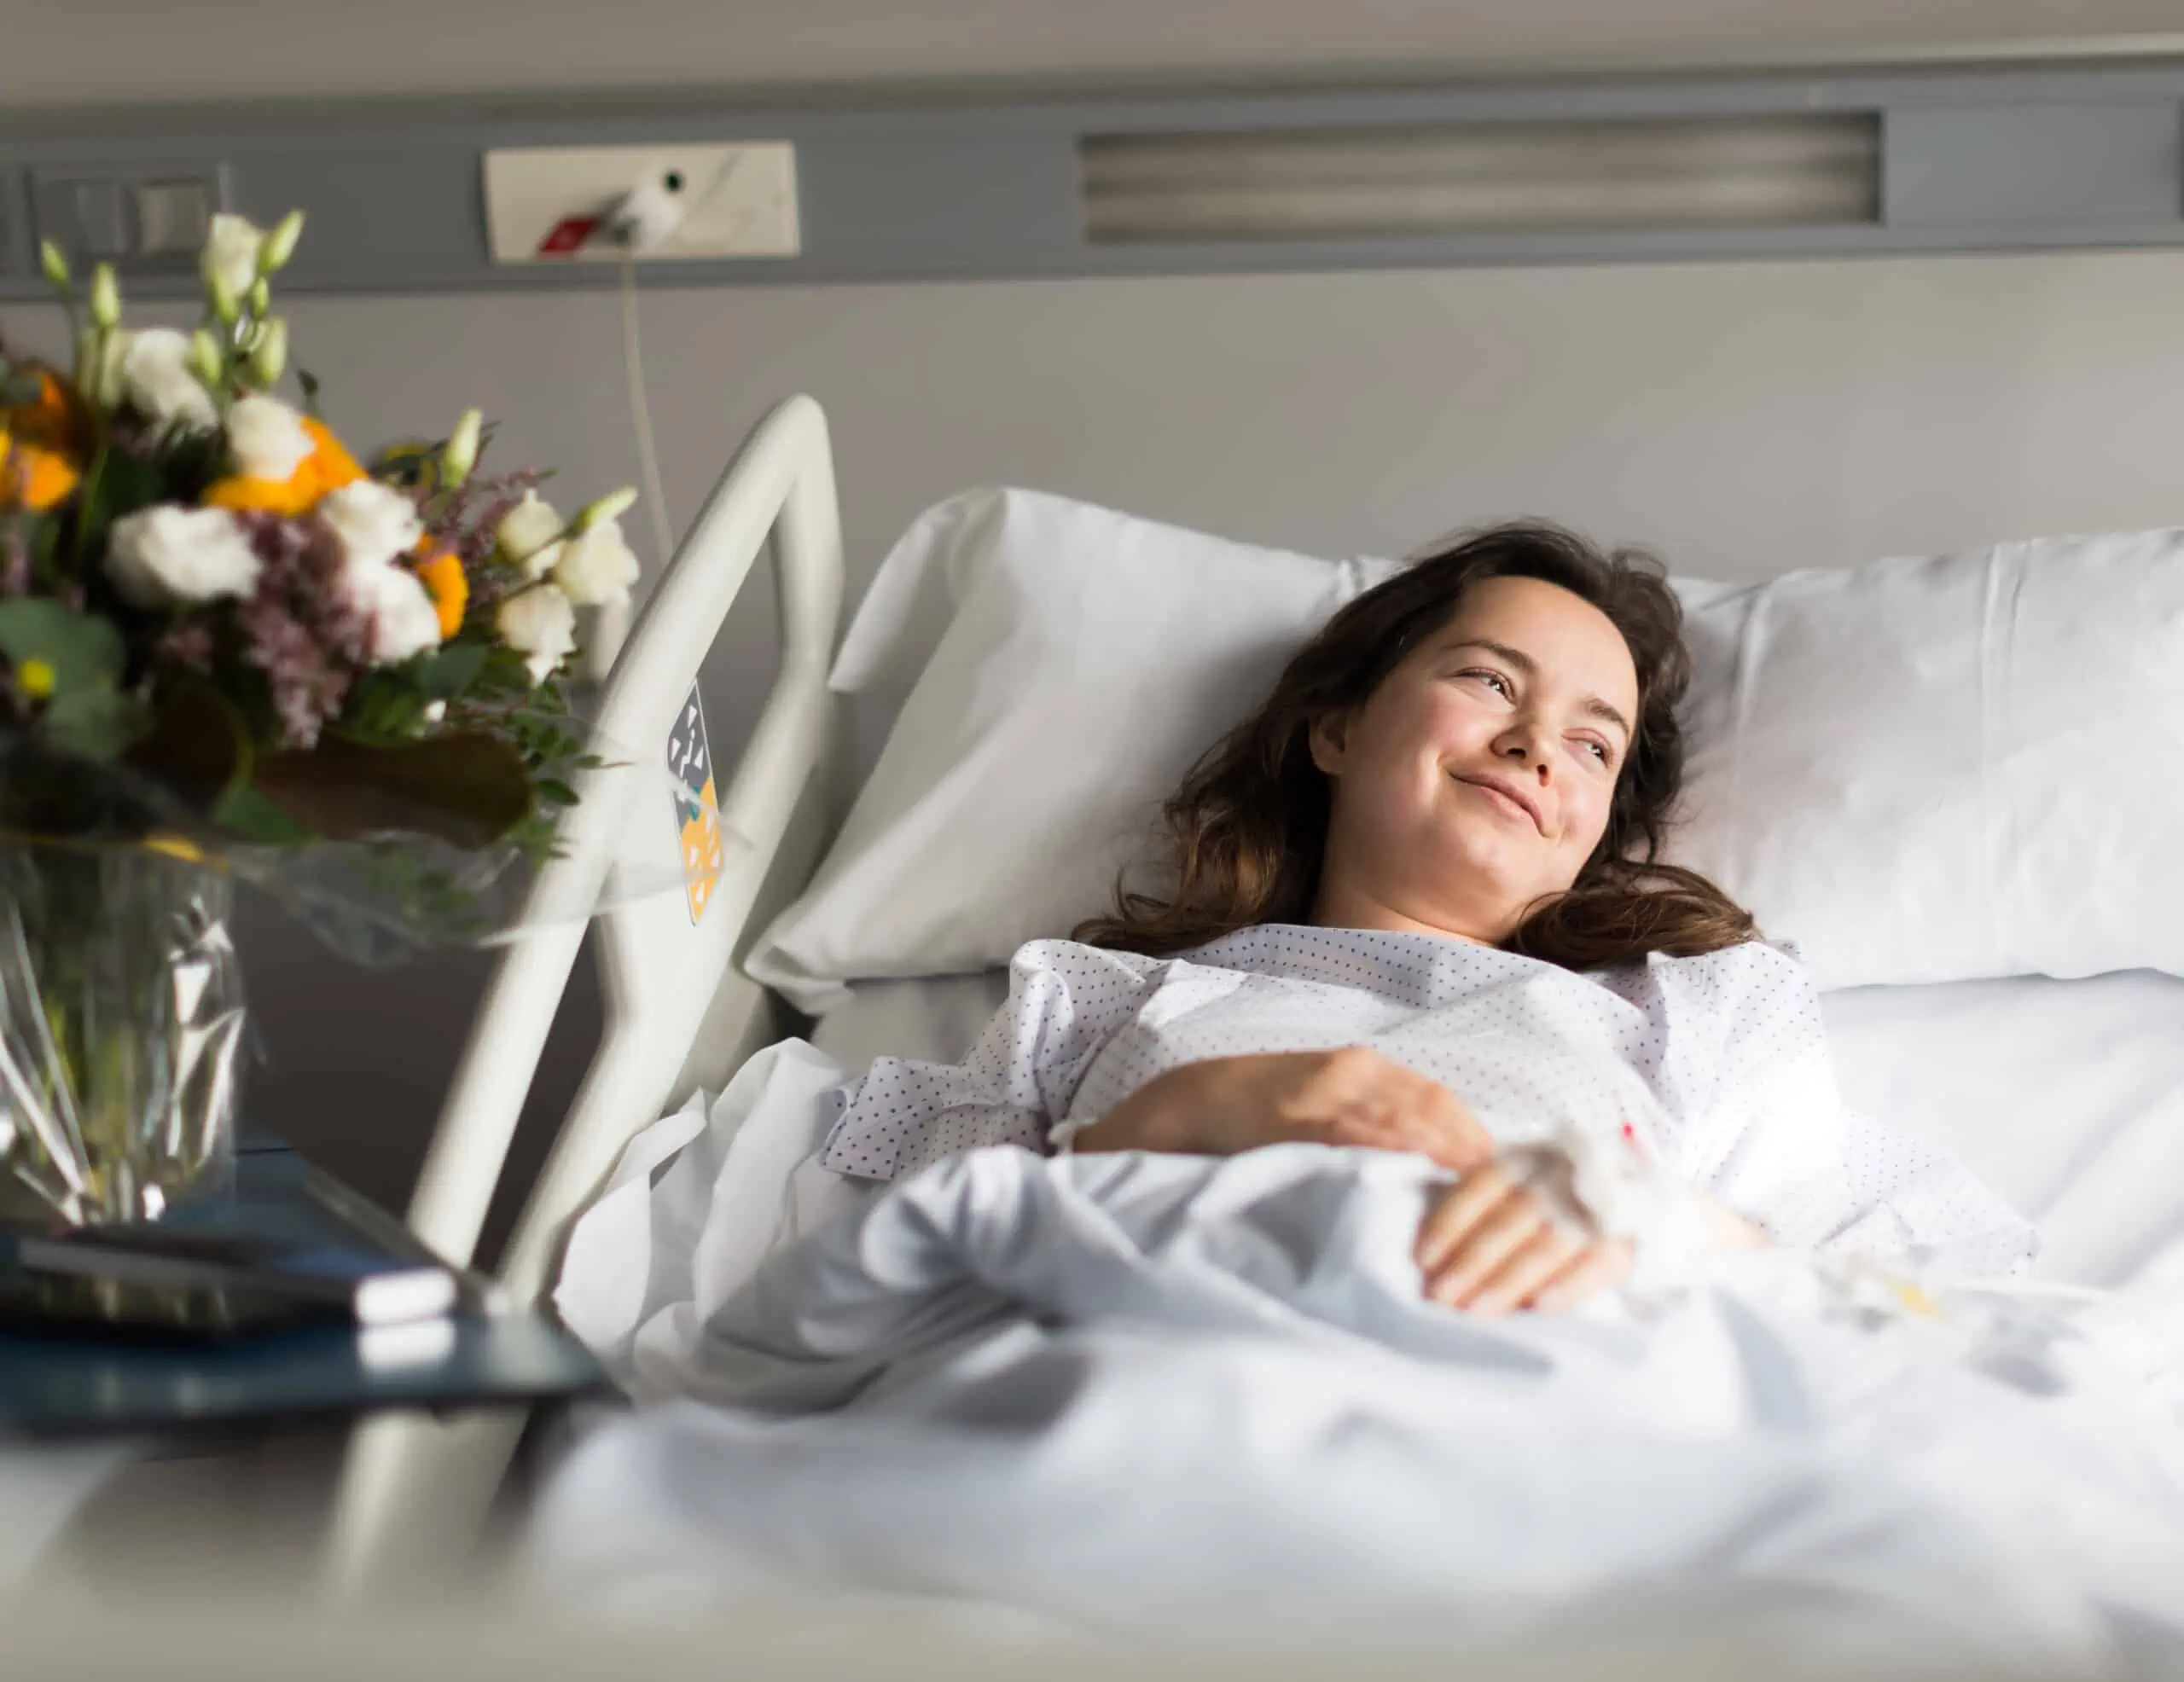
121	1033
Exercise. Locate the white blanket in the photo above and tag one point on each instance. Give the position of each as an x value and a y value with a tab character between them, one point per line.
1139	1391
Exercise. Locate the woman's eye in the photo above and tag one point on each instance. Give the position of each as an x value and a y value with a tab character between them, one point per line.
1500	683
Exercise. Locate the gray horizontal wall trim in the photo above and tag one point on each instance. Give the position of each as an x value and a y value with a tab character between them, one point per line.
2015	158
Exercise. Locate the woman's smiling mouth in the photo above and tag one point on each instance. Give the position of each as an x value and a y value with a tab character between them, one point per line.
1511	802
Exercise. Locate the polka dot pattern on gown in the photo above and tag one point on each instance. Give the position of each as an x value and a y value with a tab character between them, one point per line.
1717	1063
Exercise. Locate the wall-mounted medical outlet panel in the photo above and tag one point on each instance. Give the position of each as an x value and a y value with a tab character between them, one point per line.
737	200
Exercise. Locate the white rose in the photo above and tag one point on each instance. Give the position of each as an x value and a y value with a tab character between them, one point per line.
595	566
539	622
231	249
267	439
403	621
375	522
156	379
529	532
168	556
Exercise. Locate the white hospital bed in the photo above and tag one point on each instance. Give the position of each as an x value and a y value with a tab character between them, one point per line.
2107	1188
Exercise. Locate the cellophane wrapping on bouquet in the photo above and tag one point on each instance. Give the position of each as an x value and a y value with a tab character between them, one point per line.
121	1032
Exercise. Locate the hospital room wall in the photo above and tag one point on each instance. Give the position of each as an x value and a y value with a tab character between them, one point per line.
1742	419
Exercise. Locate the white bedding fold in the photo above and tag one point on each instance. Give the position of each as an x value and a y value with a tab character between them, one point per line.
1133	1389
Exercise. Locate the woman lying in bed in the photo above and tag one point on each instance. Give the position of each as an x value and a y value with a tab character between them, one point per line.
1413	906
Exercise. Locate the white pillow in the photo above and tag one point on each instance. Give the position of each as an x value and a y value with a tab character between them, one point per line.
1954	768
1090	658
1918	770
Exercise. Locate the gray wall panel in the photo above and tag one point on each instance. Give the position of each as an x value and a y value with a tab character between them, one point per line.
1975	159
2002	166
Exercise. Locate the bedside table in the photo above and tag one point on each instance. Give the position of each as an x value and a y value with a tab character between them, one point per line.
131	1461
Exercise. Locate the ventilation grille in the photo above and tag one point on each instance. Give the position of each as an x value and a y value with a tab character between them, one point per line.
1559	178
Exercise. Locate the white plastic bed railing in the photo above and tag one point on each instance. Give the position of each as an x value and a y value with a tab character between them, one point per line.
415	1489
660	970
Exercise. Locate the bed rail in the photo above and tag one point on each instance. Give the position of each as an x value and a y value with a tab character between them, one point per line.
659	968
414	1490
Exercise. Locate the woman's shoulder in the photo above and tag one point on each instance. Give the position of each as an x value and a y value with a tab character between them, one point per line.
1264	949
1073	962
1280	948
1765	968
1236	949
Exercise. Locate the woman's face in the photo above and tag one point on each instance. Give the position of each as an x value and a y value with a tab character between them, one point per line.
1478	777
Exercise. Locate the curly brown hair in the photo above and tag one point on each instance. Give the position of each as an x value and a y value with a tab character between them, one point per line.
1248	827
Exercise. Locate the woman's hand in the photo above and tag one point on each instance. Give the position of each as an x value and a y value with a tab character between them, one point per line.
1349	1096
1492	1243
1500	1240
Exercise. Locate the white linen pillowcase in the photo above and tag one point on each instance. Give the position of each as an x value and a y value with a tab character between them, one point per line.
1087	659
1917	771
1949	768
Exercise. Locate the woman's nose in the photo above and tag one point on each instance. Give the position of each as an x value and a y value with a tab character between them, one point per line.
1527	748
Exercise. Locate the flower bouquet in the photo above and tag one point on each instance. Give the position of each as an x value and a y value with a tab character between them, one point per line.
228	651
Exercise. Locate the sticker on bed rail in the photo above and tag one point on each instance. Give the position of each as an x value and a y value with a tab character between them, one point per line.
697	804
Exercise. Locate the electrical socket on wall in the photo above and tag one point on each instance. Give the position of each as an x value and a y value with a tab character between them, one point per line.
737	199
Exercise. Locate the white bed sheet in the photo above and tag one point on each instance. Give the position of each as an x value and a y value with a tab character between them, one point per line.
1158	1393
2067	1096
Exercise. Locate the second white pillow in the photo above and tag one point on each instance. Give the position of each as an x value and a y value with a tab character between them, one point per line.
1945	769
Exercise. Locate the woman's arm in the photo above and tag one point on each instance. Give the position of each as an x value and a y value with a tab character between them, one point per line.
1491	1243
1352	1095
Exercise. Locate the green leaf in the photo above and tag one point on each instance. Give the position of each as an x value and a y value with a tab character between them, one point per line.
45	549
384	709
98	723
116	483
85	712
445	675
84	650
246	814
506	669
467	787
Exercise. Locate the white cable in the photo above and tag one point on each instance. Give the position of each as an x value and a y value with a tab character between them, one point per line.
633	364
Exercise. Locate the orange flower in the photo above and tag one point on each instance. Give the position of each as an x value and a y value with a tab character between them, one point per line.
32	478
327	467
445	580
334	465
293	494
40	444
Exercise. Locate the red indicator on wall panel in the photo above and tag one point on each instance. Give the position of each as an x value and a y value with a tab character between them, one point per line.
568	235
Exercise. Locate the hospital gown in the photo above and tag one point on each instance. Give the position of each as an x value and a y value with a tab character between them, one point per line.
1718	1063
